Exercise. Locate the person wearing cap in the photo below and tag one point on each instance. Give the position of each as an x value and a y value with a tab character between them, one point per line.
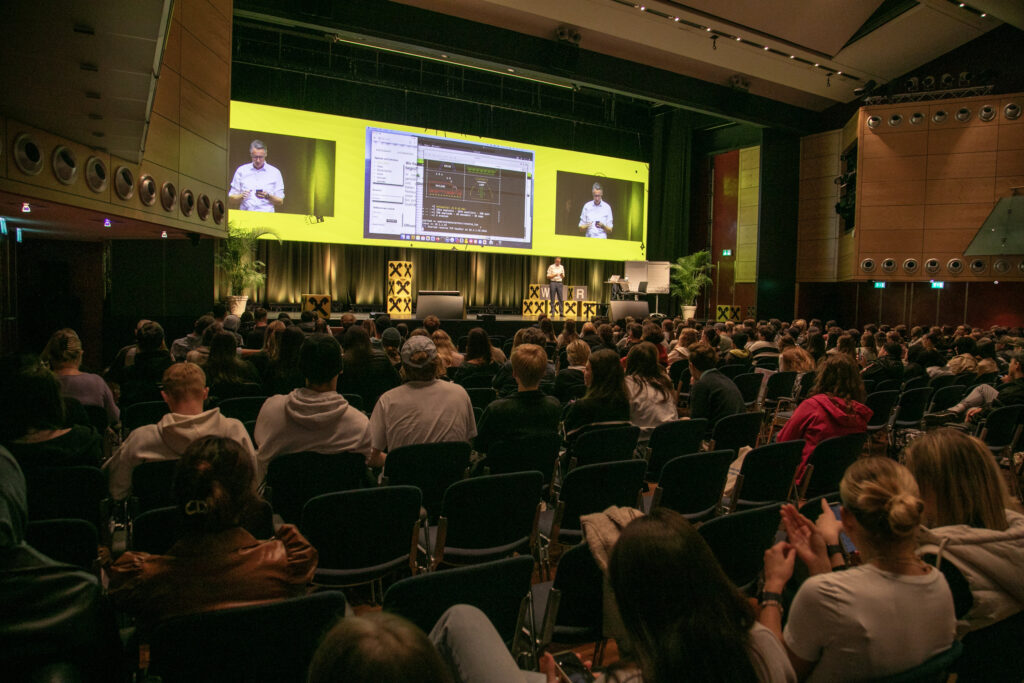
315	418
391	341
423	410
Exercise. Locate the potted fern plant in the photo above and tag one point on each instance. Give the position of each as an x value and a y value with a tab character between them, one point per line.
689	276
236	259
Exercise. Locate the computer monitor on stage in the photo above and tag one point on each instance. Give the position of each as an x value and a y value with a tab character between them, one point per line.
445	305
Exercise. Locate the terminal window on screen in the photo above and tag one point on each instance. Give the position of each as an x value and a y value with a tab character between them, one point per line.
428	189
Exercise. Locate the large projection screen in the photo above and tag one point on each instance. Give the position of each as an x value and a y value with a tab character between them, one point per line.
352	181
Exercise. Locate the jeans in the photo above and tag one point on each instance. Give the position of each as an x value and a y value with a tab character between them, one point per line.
473	650
556	292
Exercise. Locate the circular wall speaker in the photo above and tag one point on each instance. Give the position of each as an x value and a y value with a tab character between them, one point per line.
124	182
187	202
979	266
217	211
147	190
916	118
987	113
874	121
1002	266
889	265
95	174
963	114
1020	267
910	265
203	207
28	155
895	120
65	165
868	265
939	116
955	266
168	196
1012	111
931	266
928	82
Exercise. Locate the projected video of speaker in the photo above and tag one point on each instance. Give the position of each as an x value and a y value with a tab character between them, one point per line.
274	173
421	188
599	207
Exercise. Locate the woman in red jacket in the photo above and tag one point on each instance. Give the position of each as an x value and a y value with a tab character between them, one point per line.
834	408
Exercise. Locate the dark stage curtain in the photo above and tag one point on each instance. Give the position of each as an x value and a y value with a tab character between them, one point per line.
356	276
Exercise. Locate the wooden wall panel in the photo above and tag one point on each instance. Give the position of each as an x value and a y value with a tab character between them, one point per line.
818	223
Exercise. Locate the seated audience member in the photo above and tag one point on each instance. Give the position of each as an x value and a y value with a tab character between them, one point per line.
246	324
201	353
685	619
988	361
225	371
191	341
568	334
651	332
738	354
479	359
371	331
215	563
231	324
607	334
32	422
847	345
527	412
446	351
885	616
867	352
306	322
125	357
969	525
652	398
984	396
140	380
63	353
504	380
815	345
964	361
681	350
53	614
368	372
712	394
545	325
606	399
314	418
589	335
889	364
184	391
283	373
391	342
431	324
634	335
763	348
269	351
254	340
835	407
424	409
569	381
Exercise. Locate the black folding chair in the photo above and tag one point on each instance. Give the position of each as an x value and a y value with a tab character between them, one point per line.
570	609
602	442
481	397
363	536
271	643
736	431
356	401
915	383
592	488
71	541
739	541
731	370
225	390
881	404
749	385
68	493
524	454
672	439
692	484
152	486
766	475
487	518
430	467
140	414
829	461
499	589
294	478
940	381
243	408
945	398
155	531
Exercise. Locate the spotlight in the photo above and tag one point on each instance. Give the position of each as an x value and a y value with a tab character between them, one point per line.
26	207
107	223
163	234
865	89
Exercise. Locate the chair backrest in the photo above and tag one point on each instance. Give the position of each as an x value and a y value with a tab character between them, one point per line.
672	439
987	378
496	588
740	539
481	397
642	287
692	484
529	453
731	370
431	467
66	493
269	642
965	379
496	511
830	458
480	379
881	404
933	670
581	582
940	381
355	400
888	385
915	382
946	397
605	444
768	473
735	431
294	478
912	405
593	488
354	530
678	370
242	408
72	541
226	390
97	417
145	413
1001	426
749	384
779	384
152	484
155	531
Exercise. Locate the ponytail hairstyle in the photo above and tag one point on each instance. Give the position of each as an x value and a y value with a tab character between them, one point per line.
214	485
63	349
884	499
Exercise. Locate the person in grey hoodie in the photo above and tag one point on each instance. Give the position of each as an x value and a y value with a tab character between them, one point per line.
315	417
184	390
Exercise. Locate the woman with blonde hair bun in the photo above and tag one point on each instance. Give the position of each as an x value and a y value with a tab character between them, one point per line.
887	615
63	353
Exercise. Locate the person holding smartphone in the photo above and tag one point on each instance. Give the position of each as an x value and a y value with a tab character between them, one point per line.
257	186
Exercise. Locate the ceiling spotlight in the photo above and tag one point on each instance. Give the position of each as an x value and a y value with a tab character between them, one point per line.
839	73
738	38
708	29
792	56
865	89
107	223
961	4
675	19
983	15
766	47
26	207
163	234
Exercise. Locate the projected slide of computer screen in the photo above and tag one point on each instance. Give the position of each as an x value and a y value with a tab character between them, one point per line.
422	188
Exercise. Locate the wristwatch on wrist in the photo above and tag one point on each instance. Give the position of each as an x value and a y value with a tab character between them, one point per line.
832	549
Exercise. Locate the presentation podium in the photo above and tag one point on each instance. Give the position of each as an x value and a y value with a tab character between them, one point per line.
576	304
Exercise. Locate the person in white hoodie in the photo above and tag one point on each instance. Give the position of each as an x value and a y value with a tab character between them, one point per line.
315	417
184	391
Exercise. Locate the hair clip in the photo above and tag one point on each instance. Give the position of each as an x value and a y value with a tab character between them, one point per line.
196	507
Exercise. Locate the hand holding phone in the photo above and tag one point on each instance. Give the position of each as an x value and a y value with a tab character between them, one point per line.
571	669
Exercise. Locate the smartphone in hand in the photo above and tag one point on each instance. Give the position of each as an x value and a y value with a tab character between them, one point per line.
571	669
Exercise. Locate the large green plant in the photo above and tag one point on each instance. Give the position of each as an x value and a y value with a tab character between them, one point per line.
237	260
690	276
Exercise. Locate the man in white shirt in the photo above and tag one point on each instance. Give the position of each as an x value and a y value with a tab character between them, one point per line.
257	186
596	217
556	291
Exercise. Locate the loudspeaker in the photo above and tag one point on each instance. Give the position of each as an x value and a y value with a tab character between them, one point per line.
620	309
444	306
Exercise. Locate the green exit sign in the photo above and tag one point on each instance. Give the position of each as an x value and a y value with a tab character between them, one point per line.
938	284
727	252
879	285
